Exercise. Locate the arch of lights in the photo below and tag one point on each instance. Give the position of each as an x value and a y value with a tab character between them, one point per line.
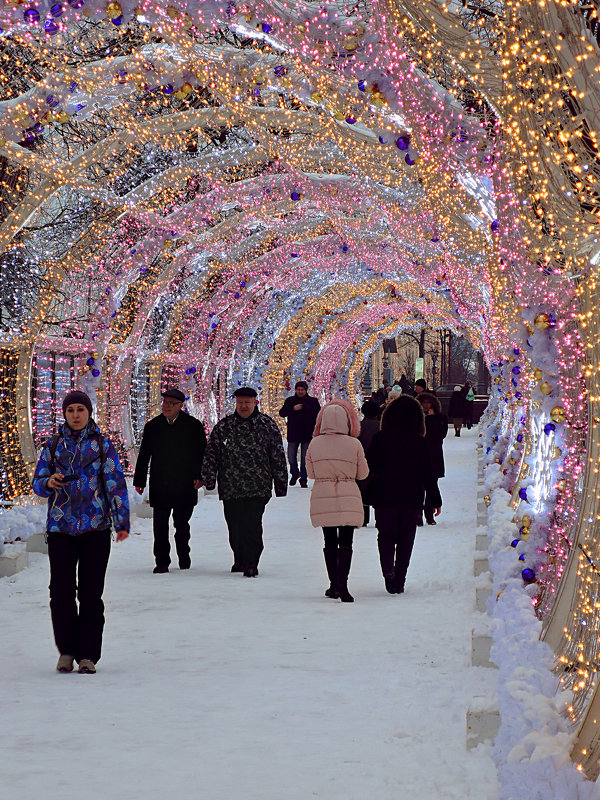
221	192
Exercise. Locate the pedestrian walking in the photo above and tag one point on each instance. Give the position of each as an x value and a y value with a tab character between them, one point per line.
469	396
173	445
436	427
400	474
245	457
456	409
300	410
80	474
369	426
335	459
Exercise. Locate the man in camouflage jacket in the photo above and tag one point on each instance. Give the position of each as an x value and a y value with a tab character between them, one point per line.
245	455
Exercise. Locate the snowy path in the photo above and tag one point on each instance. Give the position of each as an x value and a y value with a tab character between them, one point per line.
217	686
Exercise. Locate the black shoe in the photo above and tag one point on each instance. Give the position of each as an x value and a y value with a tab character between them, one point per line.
390	583
293	480
431	522
420	523
250	572
185	564
304	484
457	433
159	570
332	592
237	568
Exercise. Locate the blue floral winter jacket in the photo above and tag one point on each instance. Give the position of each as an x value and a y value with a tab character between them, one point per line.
91	501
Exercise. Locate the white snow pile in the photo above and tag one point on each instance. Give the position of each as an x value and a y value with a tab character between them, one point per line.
532	748
20	522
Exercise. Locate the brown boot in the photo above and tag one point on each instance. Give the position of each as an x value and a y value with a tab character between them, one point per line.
87	666
65	663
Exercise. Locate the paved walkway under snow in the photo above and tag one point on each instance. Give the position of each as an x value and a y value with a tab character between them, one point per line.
217	686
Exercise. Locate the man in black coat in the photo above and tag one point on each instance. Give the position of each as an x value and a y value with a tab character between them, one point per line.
301	411
173	444
245	456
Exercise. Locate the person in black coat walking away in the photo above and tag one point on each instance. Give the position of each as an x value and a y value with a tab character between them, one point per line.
173	444
245	456
436	427
368	428
456	409
301	411
401	471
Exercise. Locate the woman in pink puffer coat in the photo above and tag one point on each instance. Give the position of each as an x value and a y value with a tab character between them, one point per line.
335	459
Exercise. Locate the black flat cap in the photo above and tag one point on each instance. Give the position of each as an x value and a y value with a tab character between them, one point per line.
245	391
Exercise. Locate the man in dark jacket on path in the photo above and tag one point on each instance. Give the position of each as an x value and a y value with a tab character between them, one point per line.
245	455
301	411
173	444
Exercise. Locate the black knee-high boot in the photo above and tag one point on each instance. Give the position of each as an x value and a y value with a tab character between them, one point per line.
331	562
343	569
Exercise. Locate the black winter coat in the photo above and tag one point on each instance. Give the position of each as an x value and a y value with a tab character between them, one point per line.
245	457
456	407
436	426
401	471
300	424
174	453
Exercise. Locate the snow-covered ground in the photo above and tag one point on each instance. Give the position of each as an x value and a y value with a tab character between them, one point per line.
217	686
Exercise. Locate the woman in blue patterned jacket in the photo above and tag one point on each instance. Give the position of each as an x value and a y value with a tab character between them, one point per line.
80	474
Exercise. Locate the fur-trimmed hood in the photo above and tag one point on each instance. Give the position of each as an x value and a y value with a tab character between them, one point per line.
338	416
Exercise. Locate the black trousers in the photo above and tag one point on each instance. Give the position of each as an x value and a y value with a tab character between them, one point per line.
160	526
395	539
429	506
341	536
77	569
244	522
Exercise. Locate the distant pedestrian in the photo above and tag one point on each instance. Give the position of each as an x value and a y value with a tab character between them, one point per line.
436	426
368	428
336	459
300	411
173	445
401	472
420	386
405	385
80	474
469	396
456	409
245	457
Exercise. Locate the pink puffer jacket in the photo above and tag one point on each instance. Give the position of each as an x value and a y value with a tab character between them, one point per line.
335	459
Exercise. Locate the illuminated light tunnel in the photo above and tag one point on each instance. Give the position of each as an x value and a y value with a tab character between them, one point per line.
211	194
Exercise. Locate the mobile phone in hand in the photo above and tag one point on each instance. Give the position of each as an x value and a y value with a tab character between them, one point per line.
68	478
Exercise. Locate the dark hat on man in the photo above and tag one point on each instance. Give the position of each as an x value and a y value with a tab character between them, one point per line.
77	397
421	382
245	391
303	384
370	408
175	394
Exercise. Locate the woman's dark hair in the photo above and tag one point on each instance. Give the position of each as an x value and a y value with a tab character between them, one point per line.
370	408
404	414
427	397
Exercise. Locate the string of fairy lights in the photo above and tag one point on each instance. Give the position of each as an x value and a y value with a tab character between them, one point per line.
210	193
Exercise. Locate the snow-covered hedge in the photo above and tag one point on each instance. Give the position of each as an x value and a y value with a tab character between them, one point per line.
21	521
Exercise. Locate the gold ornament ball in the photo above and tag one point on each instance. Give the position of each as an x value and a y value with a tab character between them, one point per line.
558	414
556	453
350	43
561	485
525	536
542	322
316	97
487	499
525	521
95	354
113	10
537	374
545	388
